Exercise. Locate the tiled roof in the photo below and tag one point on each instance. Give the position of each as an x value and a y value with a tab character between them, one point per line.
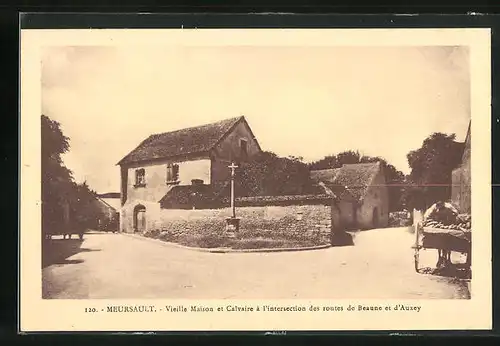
325	175
110	195
115	203
193	140
201	196
350	179
283	200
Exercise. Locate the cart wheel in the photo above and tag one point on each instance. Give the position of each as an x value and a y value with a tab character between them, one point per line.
417	258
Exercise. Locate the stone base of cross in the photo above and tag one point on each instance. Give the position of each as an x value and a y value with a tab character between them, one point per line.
232	226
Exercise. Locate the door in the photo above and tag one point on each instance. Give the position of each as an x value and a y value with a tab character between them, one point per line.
141	220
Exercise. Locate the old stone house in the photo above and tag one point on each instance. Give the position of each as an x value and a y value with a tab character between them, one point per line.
361	194
109	205
461	180
169	170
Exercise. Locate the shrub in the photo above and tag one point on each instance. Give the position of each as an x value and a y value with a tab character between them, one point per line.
399	219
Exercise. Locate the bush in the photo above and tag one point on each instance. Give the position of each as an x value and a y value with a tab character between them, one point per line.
270	244
399	219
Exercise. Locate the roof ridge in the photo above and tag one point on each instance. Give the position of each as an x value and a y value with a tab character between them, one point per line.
362	163
195	126
215	132
324	169
106	203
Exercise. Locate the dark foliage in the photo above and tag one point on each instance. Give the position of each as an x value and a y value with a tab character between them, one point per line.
431	168
270	175
65	204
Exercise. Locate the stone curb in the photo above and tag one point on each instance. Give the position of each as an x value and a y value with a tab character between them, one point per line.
226	250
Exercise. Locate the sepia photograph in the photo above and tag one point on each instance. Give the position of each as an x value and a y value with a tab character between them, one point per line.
249	172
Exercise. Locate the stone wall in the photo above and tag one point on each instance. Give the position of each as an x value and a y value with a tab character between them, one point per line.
291	221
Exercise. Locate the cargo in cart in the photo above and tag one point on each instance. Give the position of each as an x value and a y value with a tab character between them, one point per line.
446	231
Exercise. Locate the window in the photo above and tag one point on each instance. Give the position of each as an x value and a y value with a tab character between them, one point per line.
243	148
140	177
172	173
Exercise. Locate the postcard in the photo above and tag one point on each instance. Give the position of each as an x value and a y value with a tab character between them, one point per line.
255	179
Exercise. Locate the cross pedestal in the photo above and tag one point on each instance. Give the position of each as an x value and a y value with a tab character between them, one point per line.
232	226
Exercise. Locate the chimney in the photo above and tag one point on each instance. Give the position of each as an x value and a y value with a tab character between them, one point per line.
197	182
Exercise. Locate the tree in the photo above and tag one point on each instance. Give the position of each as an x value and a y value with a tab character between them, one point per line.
431	168
59	191
348	157
57	180
270	175
85	211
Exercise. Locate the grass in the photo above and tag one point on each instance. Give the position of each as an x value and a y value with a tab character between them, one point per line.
244	240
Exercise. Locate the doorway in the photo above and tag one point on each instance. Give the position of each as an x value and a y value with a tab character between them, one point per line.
140	218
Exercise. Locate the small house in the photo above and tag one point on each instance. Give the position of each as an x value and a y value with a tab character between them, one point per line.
361	194
109	204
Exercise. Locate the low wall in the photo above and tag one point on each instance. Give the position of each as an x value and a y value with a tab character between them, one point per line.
277	222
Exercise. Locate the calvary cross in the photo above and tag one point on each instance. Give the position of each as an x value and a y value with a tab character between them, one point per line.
232	167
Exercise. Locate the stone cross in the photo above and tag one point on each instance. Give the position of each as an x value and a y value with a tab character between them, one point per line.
232	167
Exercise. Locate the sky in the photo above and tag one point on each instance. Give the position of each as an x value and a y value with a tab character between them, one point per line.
301	101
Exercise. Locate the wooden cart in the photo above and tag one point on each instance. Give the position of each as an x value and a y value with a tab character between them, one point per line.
443	240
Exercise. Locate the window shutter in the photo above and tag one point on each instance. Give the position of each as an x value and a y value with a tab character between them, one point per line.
169	172
176	173
172	172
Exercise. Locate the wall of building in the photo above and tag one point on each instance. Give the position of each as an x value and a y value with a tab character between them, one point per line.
461	181
152	215
108	219
376	197
228	150
156	178
157	186
347	217
456	187
220	171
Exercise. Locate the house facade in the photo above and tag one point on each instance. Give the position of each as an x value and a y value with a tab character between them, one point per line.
184	162
361	195
461	180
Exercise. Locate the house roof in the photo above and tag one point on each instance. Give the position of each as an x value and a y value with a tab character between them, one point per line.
350	180
107	204
188	141
185	195
283	200
109	195
114	203
325	175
